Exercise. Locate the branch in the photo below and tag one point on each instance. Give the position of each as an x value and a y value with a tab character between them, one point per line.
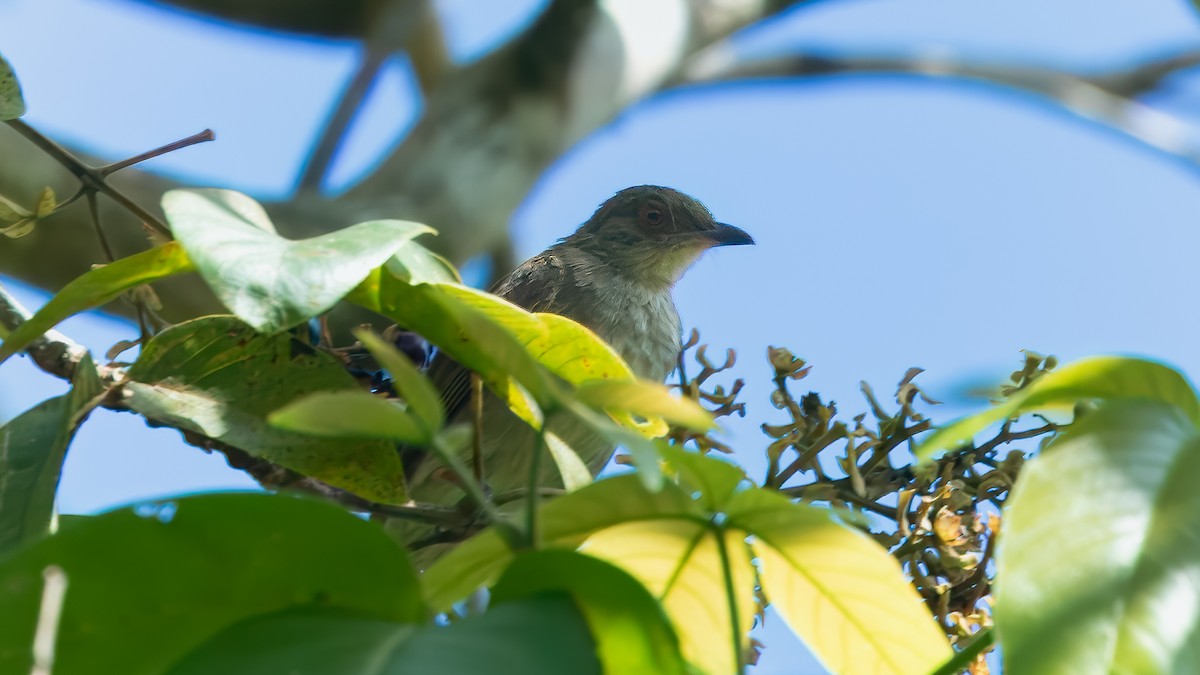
398	24
53	352
1107	98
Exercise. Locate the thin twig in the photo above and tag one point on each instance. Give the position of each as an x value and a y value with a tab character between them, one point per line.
89	176
477	426
202	137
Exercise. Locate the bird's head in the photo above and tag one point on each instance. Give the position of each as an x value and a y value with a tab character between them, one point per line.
653	234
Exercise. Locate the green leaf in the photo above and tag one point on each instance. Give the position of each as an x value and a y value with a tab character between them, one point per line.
536	636
661	538
217	377
565	522
716	480
575	473
47	202
11	212
351	414
32	449
685	565
95	288
20	228
468	332
1101	377
1101	540
835	587
417	265
12	104
423	400
645	399
270	282
646	452
631	632
148	584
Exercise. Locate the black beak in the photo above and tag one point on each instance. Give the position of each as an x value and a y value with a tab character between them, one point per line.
728	235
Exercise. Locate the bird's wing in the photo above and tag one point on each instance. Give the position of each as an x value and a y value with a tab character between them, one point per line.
533	286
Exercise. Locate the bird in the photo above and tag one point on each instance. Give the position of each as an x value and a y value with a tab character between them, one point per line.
614	275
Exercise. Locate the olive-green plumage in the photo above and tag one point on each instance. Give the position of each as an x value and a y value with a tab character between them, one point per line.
613	275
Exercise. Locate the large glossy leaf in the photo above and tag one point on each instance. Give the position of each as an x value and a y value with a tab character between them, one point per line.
97	287
565	523
631	632
417	265
33	446
1097	378
842	593
1097	568
703	576
270	282
12	104
217	377
148	584
536	636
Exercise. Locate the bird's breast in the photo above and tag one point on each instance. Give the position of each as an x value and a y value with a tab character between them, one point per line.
643	326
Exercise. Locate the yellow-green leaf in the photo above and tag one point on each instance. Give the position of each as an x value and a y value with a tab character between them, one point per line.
1101	377
841	593
97	287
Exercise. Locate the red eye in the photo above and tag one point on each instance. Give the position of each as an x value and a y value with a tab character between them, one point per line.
654	216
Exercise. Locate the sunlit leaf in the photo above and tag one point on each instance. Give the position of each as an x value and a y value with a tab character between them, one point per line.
646	452
97	287
1102	378
840	592
270	282
33	446
12	104
416	264
1097	569
146	585
468	332
645	399
685	566
565	521
351	414
217	377
575	473
631	632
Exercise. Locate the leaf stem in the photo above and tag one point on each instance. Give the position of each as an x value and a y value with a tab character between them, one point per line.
532	534
735	620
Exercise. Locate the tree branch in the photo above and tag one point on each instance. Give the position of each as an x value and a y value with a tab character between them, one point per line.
1106	98
53	352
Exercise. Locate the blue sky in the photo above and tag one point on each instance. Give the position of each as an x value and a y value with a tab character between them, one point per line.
900	222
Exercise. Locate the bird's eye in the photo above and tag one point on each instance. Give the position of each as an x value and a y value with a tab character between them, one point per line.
652	215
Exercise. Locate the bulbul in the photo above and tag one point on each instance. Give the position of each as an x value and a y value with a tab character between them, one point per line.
613	275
